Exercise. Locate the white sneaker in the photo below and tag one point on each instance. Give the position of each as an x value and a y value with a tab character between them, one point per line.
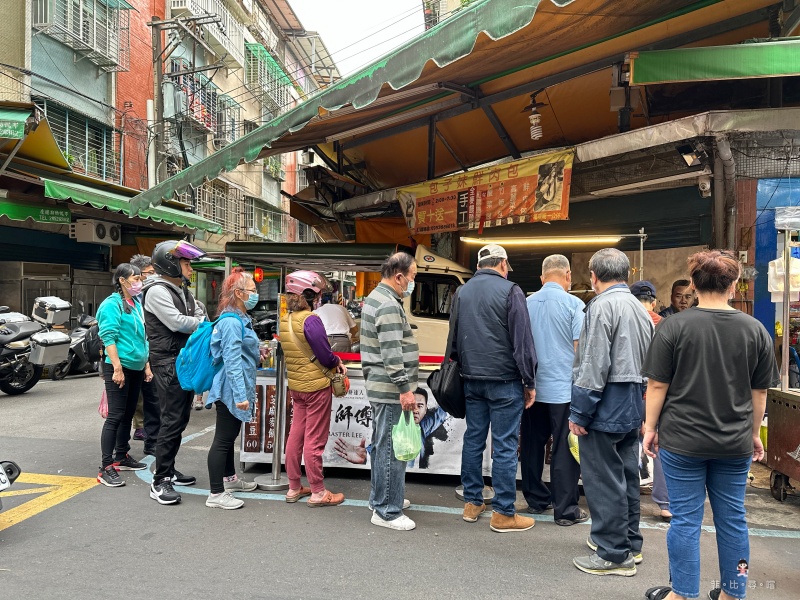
406	504
225	500
240	485
401	523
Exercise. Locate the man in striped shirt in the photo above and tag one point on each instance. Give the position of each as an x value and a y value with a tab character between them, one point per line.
390	360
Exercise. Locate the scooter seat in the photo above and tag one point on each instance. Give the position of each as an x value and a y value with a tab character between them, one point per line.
12	332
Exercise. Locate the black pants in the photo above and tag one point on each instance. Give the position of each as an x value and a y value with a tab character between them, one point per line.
610	469
539	422
151	409
176	406
220	455
121	406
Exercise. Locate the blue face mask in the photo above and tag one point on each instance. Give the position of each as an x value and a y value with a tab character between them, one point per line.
251	301
409	288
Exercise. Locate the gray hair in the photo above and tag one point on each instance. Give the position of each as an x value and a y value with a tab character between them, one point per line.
555	262
610	264
141	260
400	262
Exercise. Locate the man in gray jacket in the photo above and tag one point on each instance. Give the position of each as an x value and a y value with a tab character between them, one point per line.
171	315
606	414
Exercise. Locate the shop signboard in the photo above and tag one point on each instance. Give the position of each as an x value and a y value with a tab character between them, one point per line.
523	191
40	214
351	431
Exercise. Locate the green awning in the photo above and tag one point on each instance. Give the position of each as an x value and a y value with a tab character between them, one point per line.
81	194
743	61
118	4
12	122
451	40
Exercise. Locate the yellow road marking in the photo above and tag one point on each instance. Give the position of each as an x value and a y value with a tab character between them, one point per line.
28	492
60	488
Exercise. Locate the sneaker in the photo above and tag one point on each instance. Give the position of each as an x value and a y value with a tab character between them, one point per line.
406	504
714	594
240	485
128	464
637	556
538	511
139	434
594	565
179	478
225	500
109	477
583	516
401	523
505	524
472	511
163	492
199	405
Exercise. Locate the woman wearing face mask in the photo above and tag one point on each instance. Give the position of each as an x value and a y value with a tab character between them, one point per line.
234	389
121	328
303	335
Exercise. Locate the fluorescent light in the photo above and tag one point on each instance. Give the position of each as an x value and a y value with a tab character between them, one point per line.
633	187
548	241
398	118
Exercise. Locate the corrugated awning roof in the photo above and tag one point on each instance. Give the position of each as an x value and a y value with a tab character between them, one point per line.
473	74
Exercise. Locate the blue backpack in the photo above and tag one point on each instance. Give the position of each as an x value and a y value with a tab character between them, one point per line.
195	366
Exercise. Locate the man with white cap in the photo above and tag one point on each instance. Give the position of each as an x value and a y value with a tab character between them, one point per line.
493	343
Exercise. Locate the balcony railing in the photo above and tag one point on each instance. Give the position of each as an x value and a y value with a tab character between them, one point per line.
225	37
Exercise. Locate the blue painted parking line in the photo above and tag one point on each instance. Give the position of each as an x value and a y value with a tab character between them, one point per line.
146	475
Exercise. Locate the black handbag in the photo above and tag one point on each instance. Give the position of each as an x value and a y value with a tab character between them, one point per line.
446	383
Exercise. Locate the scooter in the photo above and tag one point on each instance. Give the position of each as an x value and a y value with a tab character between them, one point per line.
84	355
9	471
26	347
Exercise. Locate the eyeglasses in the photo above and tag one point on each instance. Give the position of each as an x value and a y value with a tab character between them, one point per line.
253	291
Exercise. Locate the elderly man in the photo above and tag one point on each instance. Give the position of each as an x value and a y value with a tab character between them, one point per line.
556	321
606	414
682	298
390	360
494	347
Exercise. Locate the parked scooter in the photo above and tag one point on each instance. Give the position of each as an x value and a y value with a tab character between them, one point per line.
84	349
9	471
27	346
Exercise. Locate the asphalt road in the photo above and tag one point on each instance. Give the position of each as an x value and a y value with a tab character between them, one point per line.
118	543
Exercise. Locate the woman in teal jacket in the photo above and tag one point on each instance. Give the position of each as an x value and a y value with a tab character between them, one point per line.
121	323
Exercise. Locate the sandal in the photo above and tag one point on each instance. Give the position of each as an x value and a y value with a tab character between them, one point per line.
658	593
329	499
304	491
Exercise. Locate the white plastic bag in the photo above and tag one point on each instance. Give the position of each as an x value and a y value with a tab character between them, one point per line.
775	279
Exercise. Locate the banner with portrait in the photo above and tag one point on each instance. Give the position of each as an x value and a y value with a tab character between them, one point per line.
523	191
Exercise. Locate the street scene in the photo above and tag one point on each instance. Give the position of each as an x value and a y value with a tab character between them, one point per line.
439	269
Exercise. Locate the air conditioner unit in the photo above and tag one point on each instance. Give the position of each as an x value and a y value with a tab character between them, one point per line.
96	232
307	157
220	142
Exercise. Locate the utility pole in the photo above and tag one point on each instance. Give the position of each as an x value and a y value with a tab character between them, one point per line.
158	101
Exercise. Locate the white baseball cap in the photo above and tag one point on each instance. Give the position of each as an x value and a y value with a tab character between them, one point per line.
493	251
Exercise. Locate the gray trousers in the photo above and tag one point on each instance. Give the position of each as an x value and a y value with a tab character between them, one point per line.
610	472
339	343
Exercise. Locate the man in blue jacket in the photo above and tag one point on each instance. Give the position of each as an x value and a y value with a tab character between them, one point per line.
606	414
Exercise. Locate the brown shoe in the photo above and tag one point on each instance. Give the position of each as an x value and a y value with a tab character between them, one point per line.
503	524
473	511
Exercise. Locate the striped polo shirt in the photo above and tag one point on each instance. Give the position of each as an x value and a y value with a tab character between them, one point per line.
389	350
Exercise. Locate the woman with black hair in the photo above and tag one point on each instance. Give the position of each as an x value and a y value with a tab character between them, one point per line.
121	327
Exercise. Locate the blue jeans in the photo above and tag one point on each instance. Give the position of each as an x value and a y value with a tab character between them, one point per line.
688	479
388	475
500	404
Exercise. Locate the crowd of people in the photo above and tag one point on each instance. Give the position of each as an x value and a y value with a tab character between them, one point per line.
689	385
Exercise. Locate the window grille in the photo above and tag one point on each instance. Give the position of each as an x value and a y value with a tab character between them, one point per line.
266	79
202	96
90	147
228	119
97	29
223	204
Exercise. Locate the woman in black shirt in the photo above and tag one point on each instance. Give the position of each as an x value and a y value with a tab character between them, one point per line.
709	368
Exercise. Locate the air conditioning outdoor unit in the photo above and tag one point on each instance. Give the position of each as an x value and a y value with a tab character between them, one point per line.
307	157
96	232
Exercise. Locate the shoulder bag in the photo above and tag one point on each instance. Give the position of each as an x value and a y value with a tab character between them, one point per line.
340	384
446	383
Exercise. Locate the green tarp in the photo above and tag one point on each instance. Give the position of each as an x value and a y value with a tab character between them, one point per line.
12	122
81	194
444	44
743	61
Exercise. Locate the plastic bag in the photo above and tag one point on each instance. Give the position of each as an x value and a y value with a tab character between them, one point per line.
572	440
103	408
406	437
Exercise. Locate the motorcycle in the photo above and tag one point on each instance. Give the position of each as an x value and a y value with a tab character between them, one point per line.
9	471
84	355
27	346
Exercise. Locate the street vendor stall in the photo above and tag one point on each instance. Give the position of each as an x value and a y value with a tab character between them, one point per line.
783	405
